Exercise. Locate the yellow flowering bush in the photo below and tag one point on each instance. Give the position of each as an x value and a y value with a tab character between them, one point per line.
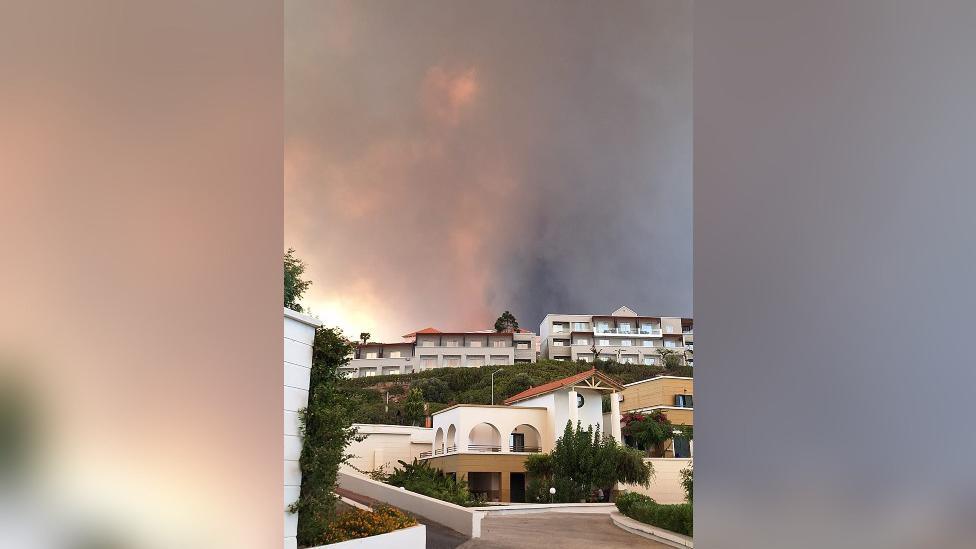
357	523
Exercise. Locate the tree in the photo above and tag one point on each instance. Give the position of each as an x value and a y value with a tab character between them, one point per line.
364	337
688	482
506	323
671	358
434	389
326	428
583	463
294	285
413	408
650	432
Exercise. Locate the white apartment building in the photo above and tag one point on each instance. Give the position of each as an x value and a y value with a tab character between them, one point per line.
433	348
623	335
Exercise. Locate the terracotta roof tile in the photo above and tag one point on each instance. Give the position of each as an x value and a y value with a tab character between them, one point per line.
560	383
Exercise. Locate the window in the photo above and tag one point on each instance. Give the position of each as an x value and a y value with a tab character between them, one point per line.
683	401
394	354
557	343
452	361
523	345
627	360
648	361
648	343
495	359
647	327
393	372
428	361
369	373
474	343
605	358
586	358
625	328
498	343
370	354
579	325
626	342
427	343
476	361
682	447
669	329
557	328
602	327
670	344
604	342
452	343
581	341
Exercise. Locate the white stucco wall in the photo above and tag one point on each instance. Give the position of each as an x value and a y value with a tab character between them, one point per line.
666	483
385	444
299	335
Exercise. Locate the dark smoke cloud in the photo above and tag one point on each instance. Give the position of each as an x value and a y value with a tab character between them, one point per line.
449	160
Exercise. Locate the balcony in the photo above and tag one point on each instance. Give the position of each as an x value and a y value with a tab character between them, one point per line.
652	332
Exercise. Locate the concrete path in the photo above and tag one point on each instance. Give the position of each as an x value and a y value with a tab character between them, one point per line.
554	530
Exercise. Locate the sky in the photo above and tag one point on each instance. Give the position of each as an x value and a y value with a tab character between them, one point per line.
446	161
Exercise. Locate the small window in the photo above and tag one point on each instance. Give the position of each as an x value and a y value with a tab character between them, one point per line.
648	343
394	354
474	343
603	327
498	343
683	401
557	328
625	328
452	343
579	325
626	342
427	343
452	361
581	341
670	344
476	361
648	361
523	344
370	354
604	342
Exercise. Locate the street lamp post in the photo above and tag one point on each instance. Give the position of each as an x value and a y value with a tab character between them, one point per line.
493	385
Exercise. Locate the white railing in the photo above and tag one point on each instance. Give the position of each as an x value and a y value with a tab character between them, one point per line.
635	331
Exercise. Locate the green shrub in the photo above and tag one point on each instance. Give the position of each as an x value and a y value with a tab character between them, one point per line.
676	518
421	478
687	482
357	523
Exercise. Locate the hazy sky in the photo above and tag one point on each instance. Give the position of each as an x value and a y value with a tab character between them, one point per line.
448	160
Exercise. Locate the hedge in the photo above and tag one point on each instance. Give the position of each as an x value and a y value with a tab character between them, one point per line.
676	518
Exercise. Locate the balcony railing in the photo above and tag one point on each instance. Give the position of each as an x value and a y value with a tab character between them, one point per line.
484	448
634	331
425	455
530	449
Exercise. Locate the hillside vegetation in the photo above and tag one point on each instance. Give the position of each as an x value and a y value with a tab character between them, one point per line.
442	387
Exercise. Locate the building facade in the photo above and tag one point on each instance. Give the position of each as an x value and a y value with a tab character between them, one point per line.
672	395
433	348
623	335
487	445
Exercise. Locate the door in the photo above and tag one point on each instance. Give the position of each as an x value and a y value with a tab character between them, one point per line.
518	442
518	487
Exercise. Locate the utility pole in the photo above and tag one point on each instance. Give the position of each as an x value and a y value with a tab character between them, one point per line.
493	385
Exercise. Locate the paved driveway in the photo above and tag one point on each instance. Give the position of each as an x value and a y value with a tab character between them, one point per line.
554	531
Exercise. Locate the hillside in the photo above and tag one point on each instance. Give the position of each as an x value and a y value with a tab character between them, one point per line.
443	387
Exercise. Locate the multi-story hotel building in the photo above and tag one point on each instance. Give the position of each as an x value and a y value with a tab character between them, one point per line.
622	335
433	348
672	395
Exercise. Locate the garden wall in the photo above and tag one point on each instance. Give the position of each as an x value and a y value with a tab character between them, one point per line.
385	444
414	537
666	484
455	517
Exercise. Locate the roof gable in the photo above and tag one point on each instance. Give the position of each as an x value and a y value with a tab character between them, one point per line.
590	378
624	311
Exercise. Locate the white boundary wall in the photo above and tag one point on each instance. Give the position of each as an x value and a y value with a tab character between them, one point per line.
299	335
414	537
461	519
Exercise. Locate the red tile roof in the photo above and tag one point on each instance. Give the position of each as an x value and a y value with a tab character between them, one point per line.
560	383
424	331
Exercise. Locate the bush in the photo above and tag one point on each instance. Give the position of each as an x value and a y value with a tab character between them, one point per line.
687	482
676	518
357	523
421	478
